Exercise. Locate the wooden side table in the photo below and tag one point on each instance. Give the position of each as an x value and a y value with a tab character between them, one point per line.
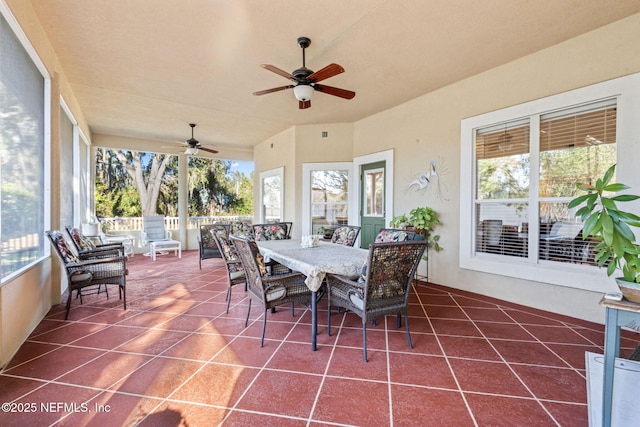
619	314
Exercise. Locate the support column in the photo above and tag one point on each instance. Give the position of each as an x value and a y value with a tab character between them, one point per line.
183	199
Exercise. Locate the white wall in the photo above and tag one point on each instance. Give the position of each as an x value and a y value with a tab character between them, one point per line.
428	128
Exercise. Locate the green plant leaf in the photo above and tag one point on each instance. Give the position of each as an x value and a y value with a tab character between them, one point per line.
590	226
607	228
608	203
619	245
631	219
614	188
578	200
608	174
583	212
625	198
624	230
611	268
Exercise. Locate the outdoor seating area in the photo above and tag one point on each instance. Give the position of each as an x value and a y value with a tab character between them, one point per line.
90	269
371	213
176	357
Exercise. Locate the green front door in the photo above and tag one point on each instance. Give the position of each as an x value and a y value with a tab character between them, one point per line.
372	194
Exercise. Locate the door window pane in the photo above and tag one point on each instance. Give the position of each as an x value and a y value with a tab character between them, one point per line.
329	200
374	189
271	198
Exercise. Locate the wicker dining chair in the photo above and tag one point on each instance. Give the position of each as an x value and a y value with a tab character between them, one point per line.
89	272
268	290
232	263
383	288
207	248
345	235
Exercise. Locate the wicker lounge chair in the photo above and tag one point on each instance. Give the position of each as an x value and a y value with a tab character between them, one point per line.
90	272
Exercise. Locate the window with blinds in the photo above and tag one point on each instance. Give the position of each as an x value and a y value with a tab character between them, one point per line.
576	145
502	188
22	170
573	145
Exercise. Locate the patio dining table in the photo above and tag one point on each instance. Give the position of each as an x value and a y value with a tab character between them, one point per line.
315	262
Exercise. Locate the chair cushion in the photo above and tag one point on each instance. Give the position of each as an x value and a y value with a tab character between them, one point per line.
386	236
276	293
233	275
83	242
240	228
81	276
156	234
343	236
206	237
363	274
228	251
270	232
356	299
262	268
63	249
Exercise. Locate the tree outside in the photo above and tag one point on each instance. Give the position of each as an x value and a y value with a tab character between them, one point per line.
132	184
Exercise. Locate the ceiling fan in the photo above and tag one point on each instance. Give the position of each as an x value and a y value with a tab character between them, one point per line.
306	80
192	145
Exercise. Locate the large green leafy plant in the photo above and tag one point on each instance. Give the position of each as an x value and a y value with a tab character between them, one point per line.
610	226
424	220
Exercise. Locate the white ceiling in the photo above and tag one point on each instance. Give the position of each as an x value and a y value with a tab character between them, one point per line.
147	68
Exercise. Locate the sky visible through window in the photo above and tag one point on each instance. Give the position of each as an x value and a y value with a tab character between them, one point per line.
244	167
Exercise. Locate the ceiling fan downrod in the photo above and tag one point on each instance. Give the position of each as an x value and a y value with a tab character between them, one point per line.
304	43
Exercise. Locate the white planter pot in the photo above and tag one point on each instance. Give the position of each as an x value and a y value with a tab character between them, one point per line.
90	230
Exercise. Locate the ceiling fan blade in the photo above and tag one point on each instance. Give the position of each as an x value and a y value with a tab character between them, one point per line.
275	89
326	72
279	72
304	104
208	150
335	91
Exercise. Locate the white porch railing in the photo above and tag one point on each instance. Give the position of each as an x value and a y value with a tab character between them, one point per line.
117	224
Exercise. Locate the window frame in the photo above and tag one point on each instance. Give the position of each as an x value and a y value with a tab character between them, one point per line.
307	168
276	172
626	91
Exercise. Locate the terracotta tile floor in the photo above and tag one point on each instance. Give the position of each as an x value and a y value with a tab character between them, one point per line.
176	358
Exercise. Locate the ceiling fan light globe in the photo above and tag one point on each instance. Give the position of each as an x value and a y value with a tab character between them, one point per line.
192	151
303	92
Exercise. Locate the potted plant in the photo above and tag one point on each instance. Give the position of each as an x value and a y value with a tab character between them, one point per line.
617	248
423	221
400	221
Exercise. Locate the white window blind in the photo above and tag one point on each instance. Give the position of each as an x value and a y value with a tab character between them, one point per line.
22	124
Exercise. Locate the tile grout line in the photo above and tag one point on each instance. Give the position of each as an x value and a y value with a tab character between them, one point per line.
326	370
446	358
508	365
